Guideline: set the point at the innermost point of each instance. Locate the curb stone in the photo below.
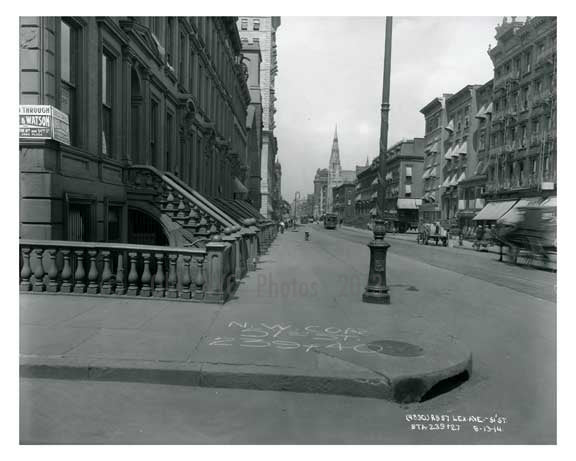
(407, 389)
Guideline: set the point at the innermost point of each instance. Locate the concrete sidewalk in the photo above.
(297, 324)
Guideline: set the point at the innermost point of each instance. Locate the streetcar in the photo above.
(330, 221)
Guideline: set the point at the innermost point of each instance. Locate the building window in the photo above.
(244, 24)
(191, 72)
(409, 171)
(79, 218)
(538, 86)
(155, 25)
(527, 63)
(69, 45)
(256, 24)
(182, 59)
(114, 228)
(154, 132)
(107, 102)
(169, 40)
(169, 136)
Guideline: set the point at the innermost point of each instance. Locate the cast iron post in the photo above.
(376, 290)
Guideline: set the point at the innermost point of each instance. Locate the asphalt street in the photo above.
(481, 265)
(504, 314)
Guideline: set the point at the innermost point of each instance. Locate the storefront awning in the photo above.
(513, 215)
(494, 210)
(408, 203)
(450, 126)
(461, 178)
(433, 173)
(448, 154)
(373, 211)
(446, 182)
(550, 201)
(239, 188)
(482, 112)
(426, 174)
(463, 148)
(456, 150)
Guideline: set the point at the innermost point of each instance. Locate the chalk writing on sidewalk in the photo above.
(289, 337)
(455, 423)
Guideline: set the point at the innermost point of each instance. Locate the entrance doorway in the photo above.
(143, 229)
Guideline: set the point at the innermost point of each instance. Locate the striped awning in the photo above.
(426, 174)
(494, 210)
(446, 182)
(489, 109)
(461, 178)
(463, 148)
(448, 155)
(434, 148)
(513, 215)
(374, 195)
(450, 126)
(374, 182)
(433, 173)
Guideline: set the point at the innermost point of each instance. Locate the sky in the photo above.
(330, 73)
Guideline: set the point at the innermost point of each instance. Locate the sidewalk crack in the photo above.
(382, 375)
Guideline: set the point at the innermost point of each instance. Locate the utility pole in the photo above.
(384, 114)
(376, 290)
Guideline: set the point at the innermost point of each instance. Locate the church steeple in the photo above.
(334, 172)
(335, 154)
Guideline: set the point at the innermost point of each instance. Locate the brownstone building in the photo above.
(403, 184)
(320, 192)
(521, 161)
(471, 189)
(434, 153)
(366, 199)
(149, 100)
(460, 159)
(252, 58)
(344, 195)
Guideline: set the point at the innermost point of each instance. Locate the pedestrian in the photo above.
(341, 220)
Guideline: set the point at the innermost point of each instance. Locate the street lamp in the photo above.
(376, 290)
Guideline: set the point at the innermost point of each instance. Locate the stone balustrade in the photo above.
(193, 274)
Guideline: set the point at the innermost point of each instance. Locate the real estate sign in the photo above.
(44, 122)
